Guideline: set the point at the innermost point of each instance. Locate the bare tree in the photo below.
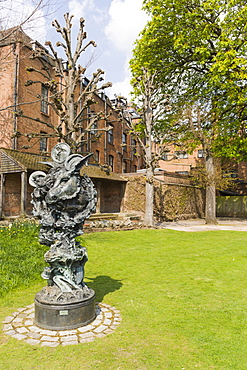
(152, 104)
(11, 21)
(69, 98)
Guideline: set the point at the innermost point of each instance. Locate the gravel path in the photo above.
(199, 225)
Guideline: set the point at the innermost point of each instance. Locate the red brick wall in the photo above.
(100, 142)
(29, 99)
(12, 204)
(7, 73)
(31, 94)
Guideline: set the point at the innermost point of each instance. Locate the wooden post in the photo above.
(98, 197)
(23, 193)
(2, 191)
(122, 194)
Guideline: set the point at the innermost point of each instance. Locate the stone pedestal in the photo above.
(66, 313)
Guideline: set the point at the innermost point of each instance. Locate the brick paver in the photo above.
(20, 325)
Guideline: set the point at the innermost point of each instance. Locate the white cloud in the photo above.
(126, 21)
(79, 8)
(122, 87)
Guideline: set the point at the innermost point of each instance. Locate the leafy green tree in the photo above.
(199, 48)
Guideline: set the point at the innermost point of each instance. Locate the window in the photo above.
(94, 128)
(134, 114)
(124, 141)
(110, 134)
(124, 167)
(103, 96)
(182, 172)
(96, 156)
(94, 125)
(165, 157)
(43, 142)
(200, 153)
(110, 161)
(231, 173)
(135, 168)
(44, 99)
(85, 81)
(181, 155)
(134, 146)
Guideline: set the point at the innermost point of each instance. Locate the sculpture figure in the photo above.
(62, 200)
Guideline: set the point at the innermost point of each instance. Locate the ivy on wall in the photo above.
(171, 202)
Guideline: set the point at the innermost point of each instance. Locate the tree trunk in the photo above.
(210, 208)
(149, 209)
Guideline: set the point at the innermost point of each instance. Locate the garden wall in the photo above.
(172, 201)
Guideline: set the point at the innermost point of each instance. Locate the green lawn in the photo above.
(182, 298)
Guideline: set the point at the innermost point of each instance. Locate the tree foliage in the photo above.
(199, 49)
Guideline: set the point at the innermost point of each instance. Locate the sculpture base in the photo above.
(64, 315)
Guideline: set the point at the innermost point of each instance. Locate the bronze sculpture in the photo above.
(62, 200)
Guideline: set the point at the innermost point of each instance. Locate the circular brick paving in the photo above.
(20, 325)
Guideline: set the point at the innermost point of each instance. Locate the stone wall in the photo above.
(172, 201)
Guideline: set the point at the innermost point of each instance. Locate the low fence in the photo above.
(231, 206)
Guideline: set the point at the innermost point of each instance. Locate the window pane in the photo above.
(110, 161)
(124, 167)
(182, 172)
(44, 99)
(181, 155)
(110, 135)
(200, 153)
(43, 143)
(124, 141)
(134, 146)
(97, 155)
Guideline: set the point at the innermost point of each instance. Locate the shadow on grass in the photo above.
(102, 285)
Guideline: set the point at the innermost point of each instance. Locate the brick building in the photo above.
(183, 163)
(24, 109)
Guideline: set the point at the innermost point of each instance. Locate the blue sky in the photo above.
(112, 24)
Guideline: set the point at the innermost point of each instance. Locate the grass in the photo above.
(182, 297)
(21, 256)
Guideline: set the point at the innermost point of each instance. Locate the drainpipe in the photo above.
(89, 136)
(106, 136)
(2, 193)
(15, 97)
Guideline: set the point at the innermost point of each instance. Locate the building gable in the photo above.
(9, 165)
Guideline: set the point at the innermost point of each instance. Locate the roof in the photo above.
(17, 35)
(13, 35)
(16, 161)
(96, 172)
